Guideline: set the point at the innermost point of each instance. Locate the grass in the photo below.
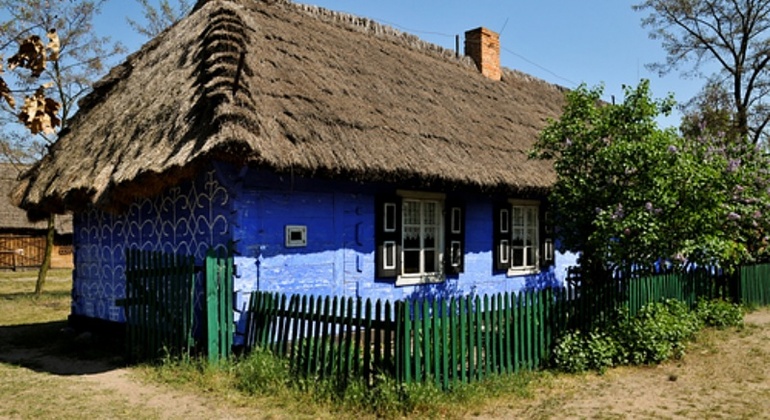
(32, 327)
(260, 381)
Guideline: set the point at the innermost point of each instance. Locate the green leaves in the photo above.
(629, 193)
(659, 331)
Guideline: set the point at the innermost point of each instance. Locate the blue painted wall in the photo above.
(251, 208)
(339, 256)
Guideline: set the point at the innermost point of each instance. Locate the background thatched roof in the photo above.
(295, 88)
(13, 218)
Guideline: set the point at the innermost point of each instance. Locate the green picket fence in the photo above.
(322, 336)
(754, 286)
(158, 304)
(463, 339)
(447, 341)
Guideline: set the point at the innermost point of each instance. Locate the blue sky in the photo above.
(563, 42)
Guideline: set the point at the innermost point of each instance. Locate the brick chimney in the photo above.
(483, 46)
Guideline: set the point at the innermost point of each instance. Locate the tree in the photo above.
(79, 58)
(733, 33)
(629, 194)
(159, 18)
(710, 112)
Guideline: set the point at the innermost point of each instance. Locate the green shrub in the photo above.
(577, 352)
(719, 313)
(658, 332)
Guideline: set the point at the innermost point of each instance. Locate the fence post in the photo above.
(219, 305)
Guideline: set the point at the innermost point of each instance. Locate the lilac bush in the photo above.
(631, 193)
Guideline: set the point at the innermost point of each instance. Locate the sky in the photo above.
(565, 42)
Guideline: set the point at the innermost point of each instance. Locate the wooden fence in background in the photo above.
(18, 251)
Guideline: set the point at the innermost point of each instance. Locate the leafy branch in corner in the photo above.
(39, 113)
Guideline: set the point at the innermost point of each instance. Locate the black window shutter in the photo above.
(502, 236)
(388, 236)
(546, 236)
(454, 237)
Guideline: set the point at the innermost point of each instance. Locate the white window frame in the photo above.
(423, 277)
(527, 226)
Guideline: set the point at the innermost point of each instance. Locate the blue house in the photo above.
(338, 156)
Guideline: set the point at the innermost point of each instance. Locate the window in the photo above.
(420, 237)
(517, 238)
(524, 237)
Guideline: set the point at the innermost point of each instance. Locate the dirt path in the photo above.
(115, 386)
(164, 402)
(722, 379)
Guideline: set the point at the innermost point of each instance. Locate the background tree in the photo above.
(733, 33)
(159, 18)
(631, 194)
(710, 112)
(81, 57)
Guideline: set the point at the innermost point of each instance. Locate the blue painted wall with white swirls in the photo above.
(185, 219)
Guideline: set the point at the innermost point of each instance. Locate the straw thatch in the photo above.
(297, 89)
(12, 218)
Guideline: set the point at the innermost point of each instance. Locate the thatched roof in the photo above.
(13, 218)
(298, 89)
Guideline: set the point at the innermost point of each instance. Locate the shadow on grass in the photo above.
(53, 294)
(53, 347)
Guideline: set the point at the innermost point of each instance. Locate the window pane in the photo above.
(430, 237)
(518, 257)
(411, 262)
(530, 257)
(429, 213)
(518, 216)
(411, 213)
(430, 261)
(411, 237)
(531, 216)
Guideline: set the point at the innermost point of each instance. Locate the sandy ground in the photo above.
(721, 378)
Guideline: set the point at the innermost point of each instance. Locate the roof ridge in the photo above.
(379, 30)
(383, 31)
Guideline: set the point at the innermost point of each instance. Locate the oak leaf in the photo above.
(53, 45)
(31, 55)
(38, 113)
(5, 93)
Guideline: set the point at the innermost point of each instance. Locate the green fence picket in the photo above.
(463, 357)
(390, 334)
